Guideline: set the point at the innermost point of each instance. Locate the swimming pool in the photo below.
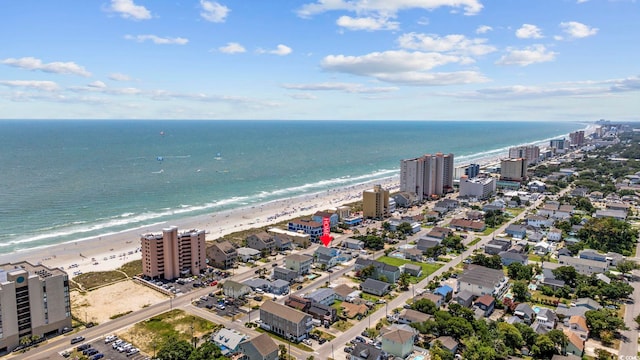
(419, 357)
(536, 309)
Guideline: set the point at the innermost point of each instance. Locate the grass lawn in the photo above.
(475, 241)
(537, 258)
(488, 231)
(342, 325)
(132, 268)
(515, 211)
(172, 323)
(94, 279)
(427, 269)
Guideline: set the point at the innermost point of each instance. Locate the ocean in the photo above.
(64, 181)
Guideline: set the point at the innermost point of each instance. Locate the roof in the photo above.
(257, 283)
(465, 295)
(414, 315)
(512, 255)
(233, 285)
(574, 339)
(320, 294)
(296, 302)
(351, 310)
(525, 309)
(264, 236)
(447, 342)
(228, 338)
(323, 214)
(343, 290)
(443, 290)
(412, 267)
(377, 264)
(547, 313)
(485, 300)
(468, 224)
(516, 228)
(375, 284)
(264, 344)
(480, 275)
(283, 311)
(435, 298)
(588, 302)
(279, 283)
(247, 251)
(299, 257)
(399, 336)
(579, 320)
(306, 222)
(366, 351)
(225, 246)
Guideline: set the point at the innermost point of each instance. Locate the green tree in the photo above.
(543, 348)
(478, 350)
(424, 306)
(528, 334)
(174, 349)
(518, 271)
(437, 351)
(602, 354)
(559, 339)
(566, 273)
(609, 234)
(405, 228)
(626, 266)
(511, 336)
(520, 290)
(207, 351)
(403, 281)
(602, 320)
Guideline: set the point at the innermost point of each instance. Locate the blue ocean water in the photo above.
(68, 180)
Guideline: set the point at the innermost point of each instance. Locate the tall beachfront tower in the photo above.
(34, 301)
(513, 169)
(427, 175)
(375, 203)
(170, 254)
(529, 152)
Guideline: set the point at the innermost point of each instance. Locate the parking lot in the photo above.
(108, 350)
(180, 286)
(221, 306)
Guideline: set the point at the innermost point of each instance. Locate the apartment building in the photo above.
(299, 263)
(307, 226)
(375, 203)
(468, 170)
(529, 152)
(577, 138)
(286, 238)
(287, 322)
(222, 254)
(427, 176)
(171, 254)
(513, 169)
(479, 188)
(262, 241)
(34, 301)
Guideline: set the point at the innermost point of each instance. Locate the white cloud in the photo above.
(303, 96)
(402, 67)
(527, 56)
(367, 23)
(232, 48)
(31, 84)
(157, 39)
(528, 31)
(280, 50)
(213, 11)
(385, 7)
(128, 10)
(581, 1)
(119, 77)
(31, 63)
(454, 43)
(577, 30)
(483, 29)
(336, 86)
(97, 84)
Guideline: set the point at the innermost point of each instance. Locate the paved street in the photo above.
(629, 347)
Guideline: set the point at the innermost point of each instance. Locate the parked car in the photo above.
(97, 356)
(77, 339)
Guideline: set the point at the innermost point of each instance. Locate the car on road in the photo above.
(298, 287)
(97, 356)
(330, 271)
(348, 349)
(77, 339)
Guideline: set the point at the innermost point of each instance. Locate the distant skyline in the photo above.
(571, 60)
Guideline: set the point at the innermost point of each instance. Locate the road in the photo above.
(629, 347)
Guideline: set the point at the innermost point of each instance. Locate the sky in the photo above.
(552, 60)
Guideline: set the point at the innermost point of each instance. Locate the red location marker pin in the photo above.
(326, 232)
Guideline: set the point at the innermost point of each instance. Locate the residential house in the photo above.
(468, 225)
(258, 284)
(588, 303)
(425, 244)
(235, 289)
(413, 254)
(283, 242)
(548, 279)
(324, 313)
(564, 212)
(329, 257)
(525, 312)
(298, 303)
(584, 266)
(334, 218)
(538, 328)
(486, 303)
(592, 255)
(444, 291)
(353, 244)
(474, 215)
(325, 296)
(285, 321)
(496, 246)
(464, 298)
(578, 325)
(539, 221)
(616, 214)
(516, 231)
(246, 254)
(375, 287)
(439, 233)
(228, 340)
(364, 351)
(395, 223)
(408, 316)
(437, 299)
(575, 344)
(542, 248)
(567, 312)
(307, 226)
(381, 270)
(299, 263)
(480, 280)
(554, 235)
(284, 237)
(398, 341)
(412, 269)
(343, 292)
(279, 287)
(548, 209)
(222, 254)
(510, 257)
(354, 310)
(263, 242)
(261, 347)
(447, 343)
(280, 273)
(547, 318)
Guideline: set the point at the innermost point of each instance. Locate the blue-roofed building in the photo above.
(445, 291)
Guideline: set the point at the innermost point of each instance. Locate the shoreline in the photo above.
(112, 250)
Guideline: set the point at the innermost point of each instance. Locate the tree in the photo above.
(403, 281)
(560, 340)
(626, 266)
(366, 272)
(518, 271)
(528, 334)
(174, 349)
(207, 351)
(543, 348)
(478, 350)
(437, 351)
(568, 274)
(511, 336)
(424, 306)
(602, 354)
(637, 319)
(520, 290)
(609, 234)
(405, 228)
(602, 320)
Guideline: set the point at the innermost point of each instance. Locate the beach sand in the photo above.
(110, 252)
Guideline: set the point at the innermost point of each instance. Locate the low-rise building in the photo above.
(408, 316)
(375, 287)
(575, 345)
(299, 263)
(280, 273)
(584, 266)
(364, 351)
(399, 341)
(344, 292)
(310, 227)
(261, 347)
(516, 231)
(578, 325)
(228, 340)
(480, 280)
(447, 343)
(381, 270)
(246, 254)
(510, 257)
(222, 254)
(412, 269)
(525, 312)
(284, 238)
(496, 246)
(235, 289)
(353, 244)
(319, 216)
(325, 296)
(329, 257)
(285, 321)
(262, 241)
(486, 303)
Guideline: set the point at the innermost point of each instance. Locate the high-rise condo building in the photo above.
(375, 203)
(529, 152)
(558, 144)
(468, 170)
(34, 301)
(427, 175)
(513, 169)
(171, 254)
(577, 138)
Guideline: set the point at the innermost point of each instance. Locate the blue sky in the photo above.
(565, 60)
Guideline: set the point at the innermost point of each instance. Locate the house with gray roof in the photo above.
(228, 340)
(516, 231)
(329, 257)
(495, 246)
(280, 273)
(412, 269)
(246, 254)
(364, 351)
(343, 292)
(279, 287)
(262, 241)
(285, 321)
(390, 272)
(408, 316)
(326, 296)
(261, 347)
(547, 318)
(235, 289)
(464, 298)
(353, 244)
(509, 257)
(425, 244)
(375, 287)
(525, 312)
(480, 280)
(584, 266)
